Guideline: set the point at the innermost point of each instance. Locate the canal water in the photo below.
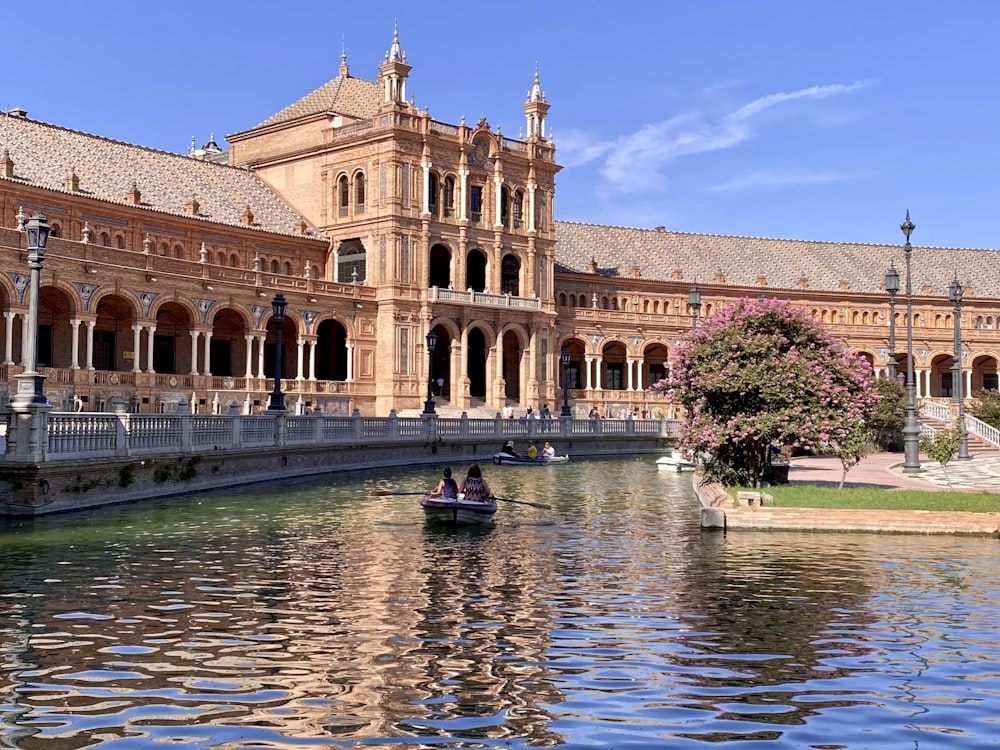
(310, 614)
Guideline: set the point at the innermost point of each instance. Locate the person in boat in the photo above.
(508, 448)
(548, 451)
(475, 487)
(447, 487)
(532, 450)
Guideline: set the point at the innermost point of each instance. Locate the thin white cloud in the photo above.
(633, 162)
(772, 179)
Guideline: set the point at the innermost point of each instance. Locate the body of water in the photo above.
(312, 614)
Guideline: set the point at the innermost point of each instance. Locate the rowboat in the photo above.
(506, 459)
(461, 511)
(676, 462)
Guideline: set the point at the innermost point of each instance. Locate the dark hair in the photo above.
(447, 471)
(475, 472)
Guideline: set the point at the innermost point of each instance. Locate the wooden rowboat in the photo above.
(460, 511)
(506, 459)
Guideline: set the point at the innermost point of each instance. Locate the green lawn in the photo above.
(807, 496)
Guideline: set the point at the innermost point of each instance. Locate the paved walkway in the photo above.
(980, 473)
(882, 470)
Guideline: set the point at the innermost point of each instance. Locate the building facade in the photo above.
(380, 225)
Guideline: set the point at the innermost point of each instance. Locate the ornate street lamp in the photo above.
(694, 302)
(30, 382)
(278, 304)
(955, 295)
(564, 357)
(911, 429)
(892, 287)
(431, 345)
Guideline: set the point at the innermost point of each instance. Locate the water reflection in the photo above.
(313, 614)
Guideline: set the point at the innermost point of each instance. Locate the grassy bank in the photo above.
(807, 496)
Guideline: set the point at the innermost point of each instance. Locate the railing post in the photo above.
(566, 426)
(186, 432)
(629, 425)
(393, 424)
(359, 425)
(463, 425)
(280, 429)
(236, 428)
(121, 435)
(318, 436)
(498, 425)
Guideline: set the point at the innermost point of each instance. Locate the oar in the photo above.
(543, 506)
(383, 493)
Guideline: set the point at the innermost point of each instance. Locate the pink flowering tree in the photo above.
(760, 374)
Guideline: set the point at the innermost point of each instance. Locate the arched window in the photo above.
(343, 195)
(352, 262)
(119, 242)
(234, 260)
(287, 268)
(105, 239)
(274, 266)
(164, 248)
(178, 250)
(517, 209)
(449, 196)
(510, 268)
(359, 193)
(505, 207)
(221, 260)
(432, 192)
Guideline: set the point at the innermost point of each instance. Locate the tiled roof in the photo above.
(784, 264)
(344, 95)
(44, 155)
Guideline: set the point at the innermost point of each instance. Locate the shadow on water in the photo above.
(311, 613)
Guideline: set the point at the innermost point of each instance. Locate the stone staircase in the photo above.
(444, 408)
(937, 417)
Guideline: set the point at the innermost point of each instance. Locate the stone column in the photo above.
(588, 382)
(208, 353)
(194, 352)
(300, 346)
(150, 338)
(136, 347)
(312, 359)
(248, 372)
(90, 343)
(74, 344)
(8, 356)
(261, 339)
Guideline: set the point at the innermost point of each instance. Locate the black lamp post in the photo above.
(694, 302)
(277, 402)
(892, 287)
(911, 429)
(431, 345)
(955, 292)
(30, 382)
(564, 357)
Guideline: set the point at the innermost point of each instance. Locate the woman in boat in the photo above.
(447, 487)
(508, 448)
(475, 487)
(548, 451)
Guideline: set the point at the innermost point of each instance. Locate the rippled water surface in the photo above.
(310, 614)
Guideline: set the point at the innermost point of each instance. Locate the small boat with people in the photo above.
(532, 457)
(676, 462)
(506, 459)
(470, 502)
(457, 510)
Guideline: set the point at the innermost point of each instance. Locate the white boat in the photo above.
(457, 511)
(676, 462)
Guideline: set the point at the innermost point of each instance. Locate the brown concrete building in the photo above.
(380, 224)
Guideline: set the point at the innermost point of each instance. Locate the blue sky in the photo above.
(780, 119)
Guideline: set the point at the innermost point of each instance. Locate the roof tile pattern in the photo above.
(743, 261)
(44, 155)
(344, 95)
